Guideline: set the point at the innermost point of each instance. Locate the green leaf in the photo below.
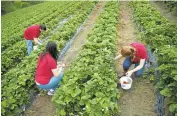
(85, 97)
(12, 100)
(99, 94)
(173, 107)
(4, 104)
(76, 92)
(166, 92)
(93, 101)
(101, 82)
(175, 78)
(68, 99)
(62, 112)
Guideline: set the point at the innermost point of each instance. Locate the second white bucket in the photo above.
(126, 82)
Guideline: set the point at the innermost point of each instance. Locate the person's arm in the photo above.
(37, 41)
(118, 57)
(58, 70)
(140, 66)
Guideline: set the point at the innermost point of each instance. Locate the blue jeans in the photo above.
(127, 63)
(53, 83)
(29, 46)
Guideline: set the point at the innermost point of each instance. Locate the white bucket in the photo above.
(126, 82)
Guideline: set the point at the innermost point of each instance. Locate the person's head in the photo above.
(51, 47)
(127, 51)
(42, 28)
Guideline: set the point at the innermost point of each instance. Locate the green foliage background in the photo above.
(9, 6)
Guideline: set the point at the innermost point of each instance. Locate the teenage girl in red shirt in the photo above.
(48, 75)
(32, 33)
(135, 53)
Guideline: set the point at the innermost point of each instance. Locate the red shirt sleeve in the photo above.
(44, 69)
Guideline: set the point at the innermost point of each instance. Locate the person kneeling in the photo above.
(135, 53)
(48, 75)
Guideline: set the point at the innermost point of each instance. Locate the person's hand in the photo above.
(59, 63)
(118, 57)
(129, 73)
(63, 65)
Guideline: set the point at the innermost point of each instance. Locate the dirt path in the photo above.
(139, 100)
(170, 15)
(81, 38)
(42, 106)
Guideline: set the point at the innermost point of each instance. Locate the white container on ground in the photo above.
(126, 82)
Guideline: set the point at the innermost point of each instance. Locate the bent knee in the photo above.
(126, 66)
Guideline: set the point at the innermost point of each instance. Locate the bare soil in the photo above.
(81, 38)
(139, 100)
(42, 106)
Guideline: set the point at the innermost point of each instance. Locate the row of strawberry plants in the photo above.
(17, 14)
(12, 23)
(54, 17)
(33, 15)
(17, 33)
(13, 55)
(18, 84)
(89, 85)
(172, 5)
(157, 32)
(17, 55)
(51, 21)
(16, 18)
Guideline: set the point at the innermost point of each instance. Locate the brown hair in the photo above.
(127, 51)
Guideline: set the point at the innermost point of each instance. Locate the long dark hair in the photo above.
(51, 48)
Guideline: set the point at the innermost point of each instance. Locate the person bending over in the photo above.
(32, 33)
(135, 53)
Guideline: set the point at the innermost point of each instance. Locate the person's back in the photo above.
(48, 75)
(141, 52)
(32, 32)
(139, 46)
(44, 70)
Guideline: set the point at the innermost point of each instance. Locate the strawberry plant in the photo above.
(13, 55)
(89, 85)
(161, 36)
(33, 17)
(17, 84)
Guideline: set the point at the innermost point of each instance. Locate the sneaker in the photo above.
(50, 92)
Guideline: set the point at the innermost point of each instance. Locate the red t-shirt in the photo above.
(44, 69)
(141, 52)
(32, 32)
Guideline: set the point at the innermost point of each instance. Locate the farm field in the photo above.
(89, 34)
